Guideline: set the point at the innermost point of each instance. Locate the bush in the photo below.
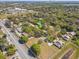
(24, 39)
(77, 42)
(11, 50)
(50, 38)
(2, 56)
(40, 42)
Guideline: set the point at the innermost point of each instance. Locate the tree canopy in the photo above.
(24, 38)
(11, 50)
(36, 49)
(2, 56)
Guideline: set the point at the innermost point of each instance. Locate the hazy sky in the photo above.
(39, 0)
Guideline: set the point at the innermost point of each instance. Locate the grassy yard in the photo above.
(2, 16)
(76, 55)
(32, 41)
(73, 56)
(47, 51)
(1, 33)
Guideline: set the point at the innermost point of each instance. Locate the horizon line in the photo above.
(46, 1)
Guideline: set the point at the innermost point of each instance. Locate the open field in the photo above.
(47, 51)
(50, 51)
(65, 49)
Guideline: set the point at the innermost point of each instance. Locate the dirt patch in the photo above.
(32, 41)
(46, 51)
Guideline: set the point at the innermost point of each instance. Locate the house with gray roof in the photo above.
(65, 37)
(58, 43)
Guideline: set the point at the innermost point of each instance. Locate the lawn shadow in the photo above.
(31, 53)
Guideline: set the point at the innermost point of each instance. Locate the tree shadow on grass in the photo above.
(31, 53)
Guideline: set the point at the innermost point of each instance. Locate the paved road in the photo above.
(22, 50)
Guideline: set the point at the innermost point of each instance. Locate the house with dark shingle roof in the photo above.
(58, 43)
(65, 37)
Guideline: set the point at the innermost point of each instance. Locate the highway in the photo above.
(21, 49)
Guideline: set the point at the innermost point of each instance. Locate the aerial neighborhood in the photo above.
(39, 30)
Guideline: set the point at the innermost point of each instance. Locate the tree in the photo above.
(27, 29)
(40, 41)
(2, 56)
(57, 28)
(8, 23)
(24, 38)
(74, 38)
(77, 33)
(36, 48)
(11, 50)
(50, 38)
(4, 36)
(40, 23)
(63, 31)
(0, 27)
(70, 28)
(77, 42)
(3, 44)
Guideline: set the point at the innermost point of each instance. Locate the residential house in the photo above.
(50, 44)
(18, 31)
(72, 33)
(65, 37)
(58, 43)
(16, 10)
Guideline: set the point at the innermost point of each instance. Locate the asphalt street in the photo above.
(21, 49)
